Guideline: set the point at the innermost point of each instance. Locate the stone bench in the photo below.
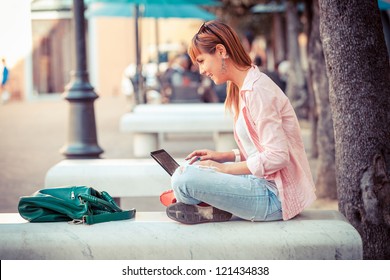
(148, 125)
(137, 183)
(201, 108)
(313, 234)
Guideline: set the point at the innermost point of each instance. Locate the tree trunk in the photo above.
(313, 115)
(358, 69)
(326, 173)
(296, 80)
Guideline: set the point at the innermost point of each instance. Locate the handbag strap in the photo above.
(110, 211)
(107, 217)
(109, 206)
(109, 198)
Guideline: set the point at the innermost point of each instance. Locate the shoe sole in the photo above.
(189, 214)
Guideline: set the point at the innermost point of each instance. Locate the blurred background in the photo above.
(37, 39)
(134, 48)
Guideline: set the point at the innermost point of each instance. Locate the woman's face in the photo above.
(210, 65)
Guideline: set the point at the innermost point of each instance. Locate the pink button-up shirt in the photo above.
(274, 129)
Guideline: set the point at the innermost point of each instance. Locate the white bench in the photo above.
(148, 125)
(311, 235)
(197, 108)
(134, 182)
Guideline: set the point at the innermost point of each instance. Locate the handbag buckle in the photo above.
(77, 221)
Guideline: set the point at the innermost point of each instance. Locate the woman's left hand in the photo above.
(238, 168)
(220, 167)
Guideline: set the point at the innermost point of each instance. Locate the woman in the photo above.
(268, 178)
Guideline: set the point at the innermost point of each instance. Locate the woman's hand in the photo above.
(203, 155)
(215, 160)
(220, 167)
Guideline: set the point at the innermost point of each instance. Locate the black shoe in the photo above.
(195, 214)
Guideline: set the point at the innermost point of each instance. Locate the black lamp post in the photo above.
(82, 139)
(138, 73)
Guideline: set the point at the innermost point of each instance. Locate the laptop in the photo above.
(165, 160)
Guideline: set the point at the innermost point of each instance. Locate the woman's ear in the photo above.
(221, 50)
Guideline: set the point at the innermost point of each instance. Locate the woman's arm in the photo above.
(266, 114)
(238, 168)
(202, 155)
(215, 160)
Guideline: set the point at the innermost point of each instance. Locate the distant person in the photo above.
(274, 75)
(5, 96)
(179, 83)
(174, 76)
(268, 178)
(283, 68)
(247, 42)
(207, 91)
(175, 73)
(127, 89)
(220, 91)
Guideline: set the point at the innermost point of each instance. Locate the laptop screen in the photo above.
(165, 160)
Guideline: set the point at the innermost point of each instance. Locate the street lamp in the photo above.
(82, 139)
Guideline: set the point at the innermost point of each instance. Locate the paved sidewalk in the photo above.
(33, 132)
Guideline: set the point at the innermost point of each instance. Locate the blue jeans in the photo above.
(245, 196)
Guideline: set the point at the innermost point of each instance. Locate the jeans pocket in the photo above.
(274, 208)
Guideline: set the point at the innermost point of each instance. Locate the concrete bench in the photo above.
(148, 125)
(311, 235)
(134, 183)
(201, 108)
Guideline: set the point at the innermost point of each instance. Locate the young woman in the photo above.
(268, 178)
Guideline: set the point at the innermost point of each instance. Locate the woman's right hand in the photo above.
(200, 155)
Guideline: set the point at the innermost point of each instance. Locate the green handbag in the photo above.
(79, 204)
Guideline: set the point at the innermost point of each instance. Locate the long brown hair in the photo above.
(209, 35)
